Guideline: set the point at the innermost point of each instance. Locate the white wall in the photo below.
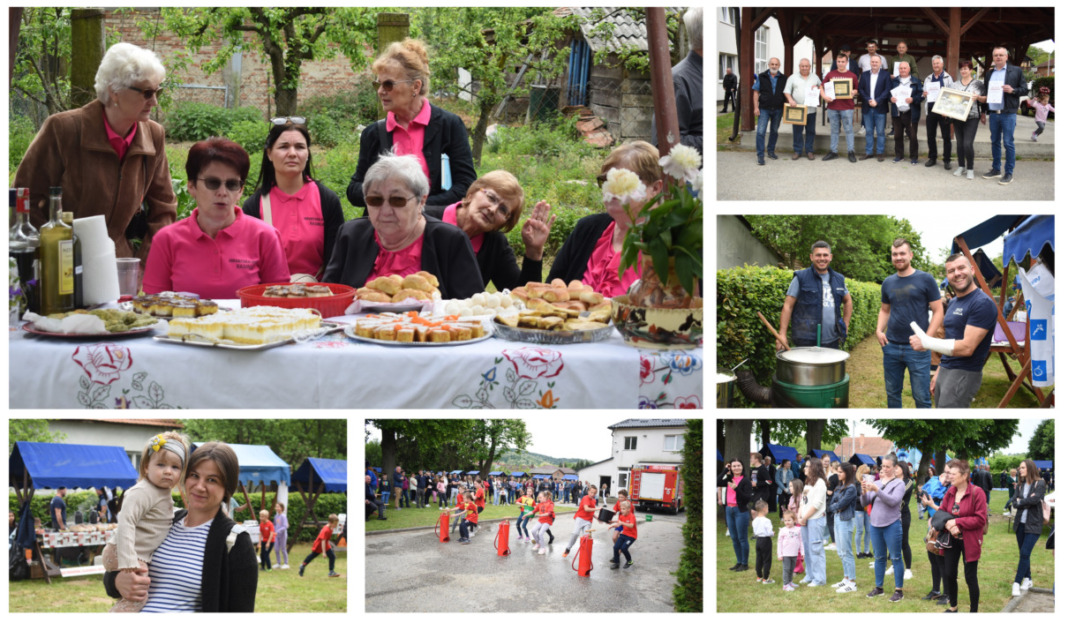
(132, 437)
(650, 446)
(725, 46)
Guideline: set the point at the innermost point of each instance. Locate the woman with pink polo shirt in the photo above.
(304, 211)
(591, 253)
(414, 126)
(492, 208)
(216, 250)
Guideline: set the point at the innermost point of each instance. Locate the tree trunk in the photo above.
(765, 432)
(921, 470)
(736, 440)
(87, 50)
(285, 101)
(389, 451)
(478, 137)
(721, 441)
(814, 434)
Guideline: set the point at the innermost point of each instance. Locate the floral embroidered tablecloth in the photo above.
(338, 373)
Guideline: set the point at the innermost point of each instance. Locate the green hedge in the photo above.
(742, 292)
(196, 121)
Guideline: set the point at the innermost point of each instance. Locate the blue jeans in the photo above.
(805, 135)
(878, 120)
(843, 538)
(385, 496)
(738, 521)
(839, 118)
(862, 523)
(767, 118)
(1026, 543)
(897, 357)
(815, 557)
(623, 544)
(464, 529)
(1002, 127)
(884, 539)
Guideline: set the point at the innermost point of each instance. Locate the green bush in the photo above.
(20, 133)
(688, 593)
(196, 121)
(1046, 81)
(333, 119)
(250, 135)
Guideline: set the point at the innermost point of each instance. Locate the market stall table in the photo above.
(337, 372)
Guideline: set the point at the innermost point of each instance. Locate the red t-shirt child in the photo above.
(480, 498)
(583, 503)
(632, 530)
(546, 507)
(266, 532)
(322, 542)
(472, 513)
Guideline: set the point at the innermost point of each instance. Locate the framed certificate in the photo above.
(794, 115)
(843, 88)
(953, 104)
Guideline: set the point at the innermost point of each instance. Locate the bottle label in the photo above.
(66, 267)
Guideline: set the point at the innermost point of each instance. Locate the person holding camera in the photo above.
(885, 496)
(739, 494)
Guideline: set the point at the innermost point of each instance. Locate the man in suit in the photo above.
(874, 104)
(730, 86)
(1009, 79)
(936, 121)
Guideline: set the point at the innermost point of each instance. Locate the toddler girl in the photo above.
(281, 532)
(1042, 111)
(147, 509)
(797, 487)
(789, 548)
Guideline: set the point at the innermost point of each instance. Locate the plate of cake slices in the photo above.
(251, 328)
(418, 329)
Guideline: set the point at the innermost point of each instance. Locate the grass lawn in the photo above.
(426, 517)
(738, 592)
(867, 388)
(724, 129)
(277, 590)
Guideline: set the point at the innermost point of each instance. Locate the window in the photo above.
(726, 15)
(725, 61)
(673, 443)
(630, 443)
(760, 49)
(622, 481)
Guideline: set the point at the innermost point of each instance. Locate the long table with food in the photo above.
(459, 354)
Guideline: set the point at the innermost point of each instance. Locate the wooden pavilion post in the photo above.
(953, 42)
(787, 32)
(746, 68)
(667, 120)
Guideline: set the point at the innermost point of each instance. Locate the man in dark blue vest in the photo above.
(817, 298)
(768, 97)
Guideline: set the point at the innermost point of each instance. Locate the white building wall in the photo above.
(727, 51)
(132, 437)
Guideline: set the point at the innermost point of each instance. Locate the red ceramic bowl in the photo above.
(328, 306)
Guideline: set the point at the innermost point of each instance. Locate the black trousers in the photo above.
(965, 131)
(971, 575)
(265, 555)
(906, 549)
(312, 556)
(728, 98)
(763, 557)
(830, 525)
(935, 122)
(903, 124)
(937, 565)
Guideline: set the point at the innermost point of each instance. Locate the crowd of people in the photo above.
(866, 512)
(425, 207)
(894, 88)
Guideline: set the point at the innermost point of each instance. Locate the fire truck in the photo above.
(656, 486)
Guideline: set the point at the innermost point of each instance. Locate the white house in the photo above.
(767, 43)
(131, 434)
(637, 441)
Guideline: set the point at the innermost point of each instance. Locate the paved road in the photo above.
(413, 572)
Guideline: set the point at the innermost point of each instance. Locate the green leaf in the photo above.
(660, 261)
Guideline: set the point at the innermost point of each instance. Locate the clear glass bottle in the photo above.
(23, 244)
(57, 259)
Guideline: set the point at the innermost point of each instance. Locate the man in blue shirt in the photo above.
(969, 322)
(57, 510)
(1009, 79)
(817, 302)
(906, 297)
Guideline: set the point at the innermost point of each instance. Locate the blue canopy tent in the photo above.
(496, 473)
(541, 476)
(570, 477)
(819, 454)
(859, 459)
(519, 474)
(315, 477)
(456, 471)
(473, 473)
(1034, 238)
(259, 465)
(779, 453)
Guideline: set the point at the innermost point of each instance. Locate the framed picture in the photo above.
(953, 104)
(794, 115)
(843, 88)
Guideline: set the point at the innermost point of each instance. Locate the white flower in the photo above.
(682, 162)
(624, 185)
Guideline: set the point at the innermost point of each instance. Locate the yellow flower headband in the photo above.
(159, 442)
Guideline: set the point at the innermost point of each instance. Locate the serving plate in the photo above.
(350, 331)
(304, 336)
(544, 336)
(138, 332)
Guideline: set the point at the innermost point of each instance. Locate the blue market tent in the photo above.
(473, 473)
(331, 474)
(259, 464)
(519, 474)
(859, 459)
(778, 453)
(570, 477)
(496, 473)
(1044, 464)
(819, 454)
(456, 471)
(1029, 238)
(541, 476)
(53, 465)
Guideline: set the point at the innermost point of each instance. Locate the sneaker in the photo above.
(831, 547)
(286, 566)
(1005, 179)
(772, 155)
(914, 162)
(889, 570)
(959, 172)
(867, 156)
(1015, 589)
(971, 174)
(876, 592)
(1026, 584)
(852, 157)
(630, 563)
(830, 156)
(943, 600)
(908, 574)
(1034, 137)
(948, 166)
(991, 174)
(543, 551)
(930, 162)
(1006, 514)
(760, 580)
(334, 575)
(848, 588)
(792, 585)
(811, 156)
(760, 161)
(735, 567)
(844, 582)
(743, 568)
(871, 565)
(566, 552)
(277, 566)
(768, 581)
(615, 565)
(813, 584)
(787, 587)
(301, 572)
(899, 159)
(931, 595)
(897, 596)
(880, 157)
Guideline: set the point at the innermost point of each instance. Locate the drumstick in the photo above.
(773, 331)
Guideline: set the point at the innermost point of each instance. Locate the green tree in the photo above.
(808, 435)
(454, 444)
(292, 440)
(1040, 447)
(373, 453)
(30, 430)
(42, 59)
(688, 593)
(579, 464)
(288, 36)
(964, 438)
(492, 43)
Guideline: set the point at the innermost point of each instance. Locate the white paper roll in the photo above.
(100, 278)
(92, 231)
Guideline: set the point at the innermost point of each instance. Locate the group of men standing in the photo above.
(881, 89)
(949, 367)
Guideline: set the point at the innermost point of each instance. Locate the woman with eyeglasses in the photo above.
(217, 249)
(304, 211)
(397, 238)
(591, 253)
(108, 156)
(414, 126)
(490, 209)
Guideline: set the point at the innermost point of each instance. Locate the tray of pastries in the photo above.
(556, 313)
(173, 305)
(251, 328)
(417, 329)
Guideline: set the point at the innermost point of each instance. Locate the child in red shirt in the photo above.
(620, 496)
(322, 546)
(629, 523)
(266, 540)
(470, 519)
(545, 514)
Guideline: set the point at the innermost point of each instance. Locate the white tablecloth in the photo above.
(336, 372)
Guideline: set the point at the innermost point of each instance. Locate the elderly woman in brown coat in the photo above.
(108, 156)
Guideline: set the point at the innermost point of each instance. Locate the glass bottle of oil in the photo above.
(68, 219)
(57, 259)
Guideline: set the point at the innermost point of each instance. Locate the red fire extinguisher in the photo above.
(501, 540)
(584, 556)
(442, 528)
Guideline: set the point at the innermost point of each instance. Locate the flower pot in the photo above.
(657, 327)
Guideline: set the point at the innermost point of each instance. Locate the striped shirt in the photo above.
(176, 570)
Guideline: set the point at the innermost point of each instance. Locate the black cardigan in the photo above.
(447, 255)
(743, 493)
(228, 580)
(574, 255)
(445, 133)
(1032, 504)
(496, 260)
(330, 204)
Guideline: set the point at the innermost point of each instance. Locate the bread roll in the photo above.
(373, 296)
(430, 277)
(385, 284)
(591, 298)
(408, 293)
(417, 282)
(557, 294)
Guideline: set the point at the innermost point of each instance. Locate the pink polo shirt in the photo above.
(118, 143)
(185, 259)
(602, 271)
(450, 217)
(732, 495)
(410, 141)
(299, 220)
(404, 262)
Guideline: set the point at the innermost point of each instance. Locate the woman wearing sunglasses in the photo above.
(306, 213)
(413, 126)
(490, 209)
(396, 238)
(108, 155)
(591, 253)
(217, 249)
